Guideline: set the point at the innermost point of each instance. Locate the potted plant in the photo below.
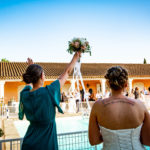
(1, 132)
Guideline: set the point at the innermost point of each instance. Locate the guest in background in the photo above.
(132, 94)
(63, 100)
(127, 94)
(98, 95)
(87, 95)
(91, 97)
(136, 93)
(142, 96)
(145, 91)
(63, 97)
(77, 99)
(82, 95)
(107, 94)
(149, 91)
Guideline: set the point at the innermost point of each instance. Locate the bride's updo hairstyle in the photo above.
(117, 77)
(32, 74)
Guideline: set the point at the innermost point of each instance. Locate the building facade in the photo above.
(93, 76)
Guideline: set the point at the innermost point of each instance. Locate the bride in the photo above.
(121, 123)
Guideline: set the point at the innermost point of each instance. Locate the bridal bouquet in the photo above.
(79, 45)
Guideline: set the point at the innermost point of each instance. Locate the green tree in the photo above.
(4, 60)
(144, 62)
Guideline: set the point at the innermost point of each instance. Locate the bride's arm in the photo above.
(145, 132)
(95, 136)
(63, 77)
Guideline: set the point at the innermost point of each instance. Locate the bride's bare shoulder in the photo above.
(125, 100)
(111, 100)
(136, 101)
(98, 105)
(102, 101)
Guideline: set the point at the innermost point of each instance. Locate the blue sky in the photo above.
(117, 30)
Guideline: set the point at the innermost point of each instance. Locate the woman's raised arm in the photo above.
(63, 77)
(29, 62)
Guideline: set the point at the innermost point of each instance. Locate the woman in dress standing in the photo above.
(121, 123)
(136, 93)
(39, 103)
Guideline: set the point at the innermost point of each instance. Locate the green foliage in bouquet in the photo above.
(1, 132)
(79, 45)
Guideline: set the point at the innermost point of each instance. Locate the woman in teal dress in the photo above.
(38, 103)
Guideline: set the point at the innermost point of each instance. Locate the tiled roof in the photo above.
(14, 70)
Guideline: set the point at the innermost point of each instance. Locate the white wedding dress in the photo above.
(124, 139)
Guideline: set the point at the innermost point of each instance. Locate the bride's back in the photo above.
(119, 120)
(119, 113)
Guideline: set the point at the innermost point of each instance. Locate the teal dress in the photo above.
(39, 108)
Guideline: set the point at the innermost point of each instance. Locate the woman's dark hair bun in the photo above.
(117, 77)
(32, 74)
(26, 78)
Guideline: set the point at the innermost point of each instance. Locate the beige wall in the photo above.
(11, 90)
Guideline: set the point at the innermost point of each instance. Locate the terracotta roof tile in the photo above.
(14, 70)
